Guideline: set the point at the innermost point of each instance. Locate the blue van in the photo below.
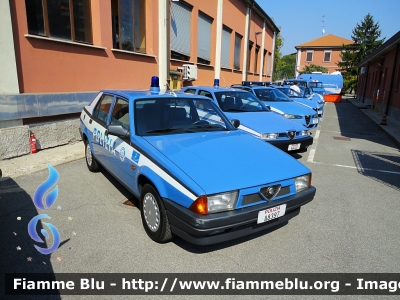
(333, 83)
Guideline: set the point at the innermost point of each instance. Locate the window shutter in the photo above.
(226, 47)
(236, 59)
(180, 28)
(204, 37)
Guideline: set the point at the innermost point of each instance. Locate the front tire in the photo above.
(91, 162)
(154, 215)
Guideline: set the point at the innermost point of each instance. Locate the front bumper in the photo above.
(225, 226)
(284, 144)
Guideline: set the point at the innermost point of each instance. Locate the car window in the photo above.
(190, 91)
(231, 101)
(177, 115)
(120, 114)
(205, 93)
(103, 107)
(269, 94)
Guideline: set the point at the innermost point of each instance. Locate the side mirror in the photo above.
(117, 130)
(235, 123)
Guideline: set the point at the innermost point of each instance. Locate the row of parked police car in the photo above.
(206, 163)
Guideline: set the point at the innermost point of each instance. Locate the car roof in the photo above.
(134, 94)
(254, 87)
(212, 88)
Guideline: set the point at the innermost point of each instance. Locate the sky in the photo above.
(302, 21)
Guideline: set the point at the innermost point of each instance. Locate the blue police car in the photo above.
(282, 104)
(195, 174)
(305, 97)
(256, 118)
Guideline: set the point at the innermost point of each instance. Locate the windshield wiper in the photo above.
(165, 130)
(214, 126)
(233, 109)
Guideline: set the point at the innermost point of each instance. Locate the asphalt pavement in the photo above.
(351, 226)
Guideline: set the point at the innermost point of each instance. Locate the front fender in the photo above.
(168, 187)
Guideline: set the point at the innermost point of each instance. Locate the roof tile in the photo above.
(326, 41)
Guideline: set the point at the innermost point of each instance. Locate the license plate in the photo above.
(315, 121)
(271, 213)
(294, 147)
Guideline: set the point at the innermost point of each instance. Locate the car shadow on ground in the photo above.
(381, 167)
(17, 251)
(198, 249)
(133, 201)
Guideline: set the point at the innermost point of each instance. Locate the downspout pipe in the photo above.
(392, 79)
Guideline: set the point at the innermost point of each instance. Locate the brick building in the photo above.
(324, 51)
(58, 53)
(379, 78)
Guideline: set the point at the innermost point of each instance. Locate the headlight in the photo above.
(288, 116)
(215, 203)
(269, 136)
(302, 183)
(304, 132)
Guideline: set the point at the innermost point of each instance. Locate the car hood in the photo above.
(265, 122)
(306, 102)
(292, 108)
(225, 161)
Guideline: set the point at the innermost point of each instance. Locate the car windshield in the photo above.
(178, 115)
(239, 101)
(272, 94)
(304, 92)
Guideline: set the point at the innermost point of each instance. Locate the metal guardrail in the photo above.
(14, 107)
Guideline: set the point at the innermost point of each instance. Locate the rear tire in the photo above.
(154, 215)
(91, 162)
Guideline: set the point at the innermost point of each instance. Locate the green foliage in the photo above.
(277, 55)
(314, 68)
(366, 39)
(285, 67)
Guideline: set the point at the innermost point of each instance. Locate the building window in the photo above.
(62, 19)
(256, 59)
(264, 64)
(226, 47)
(128, 19)
(236, 58)
(327, 55)
(269, 64)
(309, 56)
(204, 39)
(249, 55)
(180, 30)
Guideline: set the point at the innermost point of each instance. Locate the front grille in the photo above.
(253, 198)
(308, 118)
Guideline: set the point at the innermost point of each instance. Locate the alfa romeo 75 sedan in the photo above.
(195, 174)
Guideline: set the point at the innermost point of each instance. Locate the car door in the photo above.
(124, 159)
(101, 144)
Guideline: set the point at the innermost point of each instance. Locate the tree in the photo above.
(366, 39)
(314, 68)
(277, 55)
(285, 68)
